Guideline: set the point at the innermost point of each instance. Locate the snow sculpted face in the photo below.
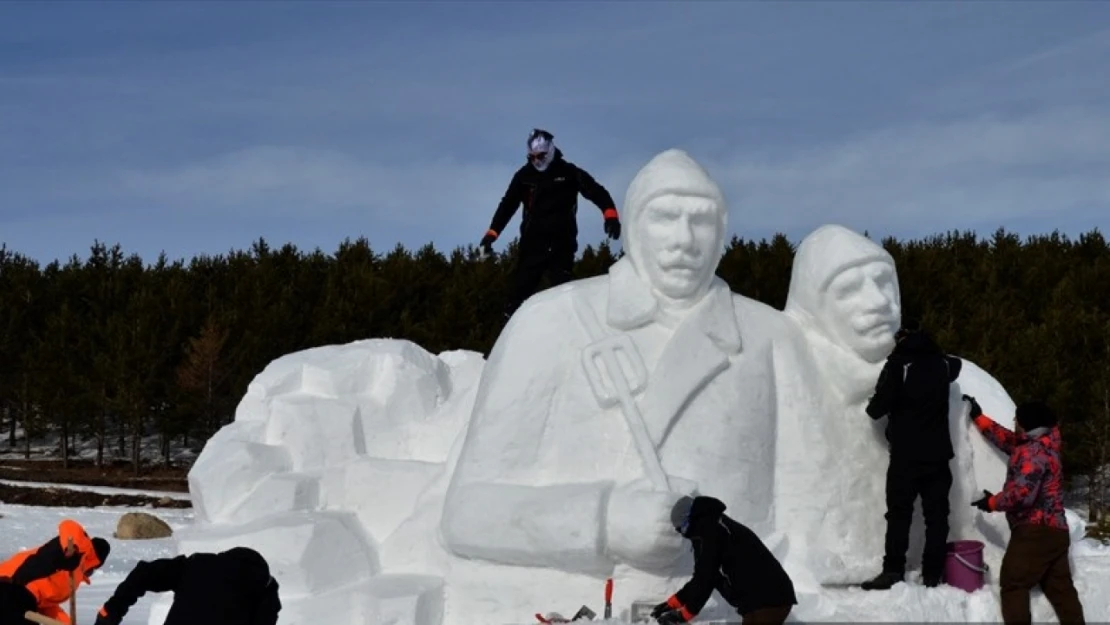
(677, 220)
(846, 287)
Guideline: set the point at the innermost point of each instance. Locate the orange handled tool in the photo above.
(609, 598)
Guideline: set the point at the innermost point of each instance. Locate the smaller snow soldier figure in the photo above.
(913, 391)
(728, 558)
(548, 186)
(44, 578)
(233, 587)
(1033, 500)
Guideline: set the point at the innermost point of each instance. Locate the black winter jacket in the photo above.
(730, 558)
(913, 390)
(550, 200)
(233, 587)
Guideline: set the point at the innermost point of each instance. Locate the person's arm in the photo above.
(1021, 491)
(886, 391)
(999, 436)
(506, 208)
(692, 597)
(160, 575)
(597, 194)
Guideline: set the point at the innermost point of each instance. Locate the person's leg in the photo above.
(767, 616)
(560, 267)
(1023, 566)
(900, 495)
(531, 263)
(15, 601)
(934, 486)
(1057, 583)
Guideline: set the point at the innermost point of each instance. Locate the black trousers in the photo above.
(536, 258)
(905, 482)
(15, 601)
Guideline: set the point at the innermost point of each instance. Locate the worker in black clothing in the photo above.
(913, 392)
(15, 601)
(728, 558)
(548, 186)
(233, 587)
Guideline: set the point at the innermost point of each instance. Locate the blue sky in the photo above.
(199, 127)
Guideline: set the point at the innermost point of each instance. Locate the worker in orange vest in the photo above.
(43, 579)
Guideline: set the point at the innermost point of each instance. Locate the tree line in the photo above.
(111, 348)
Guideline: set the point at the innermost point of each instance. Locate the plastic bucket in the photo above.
(964, 567)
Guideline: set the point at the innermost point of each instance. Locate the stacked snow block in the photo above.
(336, 455)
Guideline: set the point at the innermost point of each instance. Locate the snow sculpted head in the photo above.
(677, 218)
(845, 286)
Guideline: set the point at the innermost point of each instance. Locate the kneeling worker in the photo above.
(233, 587)
(728, 558)
(42, 579)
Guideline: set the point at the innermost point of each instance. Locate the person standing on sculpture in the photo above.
(913, 391)
(548, 186)
(728, 558)
(1033, 500)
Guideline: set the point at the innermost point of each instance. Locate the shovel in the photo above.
(611, 386)
(40, 619)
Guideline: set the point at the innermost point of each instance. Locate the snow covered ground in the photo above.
(23, 527)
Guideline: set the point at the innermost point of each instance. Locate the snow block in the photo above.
(317, 432)
(229, 469)
(308, 553)
(383, 600)
(278, 493)
(383, 493)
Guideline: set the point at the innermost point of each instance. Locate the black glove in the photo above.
(975, 409)
(71, 562)
(613, 227)
(983, 503)
(664, 614)
(103, 618)
(487, 241)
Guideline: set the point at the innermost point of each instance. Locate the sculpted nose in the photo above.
(872, 293)
(683, 234)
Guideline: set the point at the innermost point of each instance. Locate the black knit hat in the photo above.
(1034, 414)
(102, 548)
(680, 512)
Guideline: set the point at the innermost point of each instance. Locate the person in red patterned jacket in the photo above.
(1033, 500)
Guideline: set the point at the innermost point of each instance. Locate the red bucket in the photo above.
(964, 567)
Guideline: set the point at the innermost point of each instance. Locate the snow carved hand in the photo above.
(638, 527)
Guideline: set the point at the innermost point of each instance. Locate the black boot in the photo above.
(931, 580)
(883, 581)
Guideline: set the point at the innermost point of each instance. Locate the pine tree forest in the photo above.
(111, 348)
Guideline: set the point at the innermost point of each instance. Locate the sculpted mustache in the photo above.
(680, 263)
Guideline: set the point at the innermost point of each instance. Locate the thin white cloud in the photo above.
(934, 177)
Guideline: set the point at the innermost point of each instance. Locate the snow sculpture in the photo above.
(606, 399)
(845, 295)
(334, 469)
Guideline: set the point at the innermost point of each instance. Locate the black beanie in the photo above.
(102, 548)
(1034, 414)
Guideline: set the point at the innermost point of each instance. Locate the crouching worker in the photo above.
(233, 587)
(728, 558)
(43, 579)
(1032, 499)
